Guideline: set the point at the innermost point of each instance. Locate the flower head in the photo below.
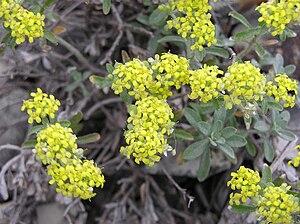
(243, 83)
(206, 83)
(278, 14)
(21, 21)
(168, 70)
(276, 205)
(283, 88)
(194, 22)
(40, 106)
(76, 178)
(245, 180)
(149, 125)
(55, 143)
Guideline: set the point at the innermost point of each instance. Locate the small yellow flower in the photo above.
(168, 70)
(76, 178)
(149, 125)
(276, 205)
(283, 88)
(245, 180)
(278, 14)
(21, 22)
(195, 22)
(40, 106)
(243, 83)
(55, 143)
(206, 83)
(296, 160)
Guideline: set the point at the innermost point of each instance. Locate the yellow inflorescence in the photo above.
(276, 205)
(245, 180)
(55, 143)
(284, 89)
(21, 22)
(149, 125)
(76, 178)
(168, 70)
(206, 83)
(278, 14)
(195, 23)
(243, 83)
(133, 76)
(296, 160)
(40, 106)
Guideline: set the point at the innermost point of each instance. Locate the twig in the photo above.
(10, 146)
(233, 54)
(280, 157)
(79, 56)
(70, 206)
(183, 191)
(117, 40)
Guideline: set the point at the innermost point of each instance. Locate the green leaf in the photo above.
(220, 114)
(269, 150)
(100, 82)
(29, 144)
(171, 38)
(242, 208)
(248, 34)
(278, 64)
(204, 165)
(287, 135)
(266, 174)
(106, 6)
(227, 150)
(200, 54)
(35, 9)
(275, 105)
(192, 116)
(153, 44)
(46, 4)
(236, 141)
(290, 69)
(196, 149)
(289, 32)
(204, 127)
(240, 18)
(217, 51)
(65, 123)
(204, 108)
(35, 129)
(264, 106)
(89, 138)
(179, 133)
(261, 126)
(228, 132)
(109, 68)
(251, 149)
(50, 36)
(76, 118)
(158, 18)
(217, 125)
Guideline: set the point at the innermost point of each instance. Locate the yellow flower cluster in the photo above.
(21, 22)
(133, 76)
(247, 181)
(243, 83)
(148, 125)
(141, 78)
(206, 83)
(56, 147)
(195, 22)
(76, 178)
(55, 143)
(168, 70)
(296, 160)
(40, 106)
(284, 89)
(278, 14)
(276, 205)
